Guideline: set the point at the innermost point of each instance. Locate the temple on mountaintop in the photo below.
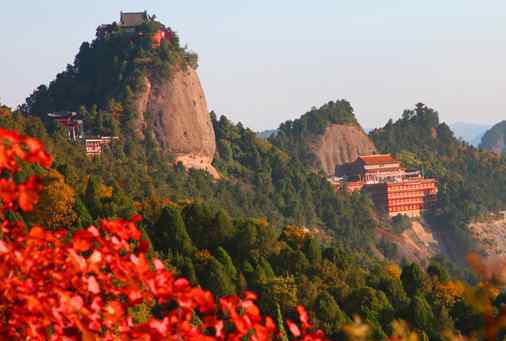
(128, 25)
(393, 189)
(133, 19)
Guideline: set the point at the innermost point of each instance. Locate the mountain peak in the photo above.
(325, 137)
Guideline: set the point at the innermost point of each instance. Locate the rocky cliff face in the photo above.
(180, 118)
(341, 143)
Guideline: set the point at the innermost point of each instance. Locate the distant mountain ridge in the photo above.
(494, 139)
(265, 134)
(469, 132)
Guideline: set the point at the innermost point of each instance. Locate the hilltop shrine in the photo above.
(393, 189)
(129, 25)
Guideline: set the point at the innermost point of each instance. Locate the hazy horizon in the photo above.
(263, 63)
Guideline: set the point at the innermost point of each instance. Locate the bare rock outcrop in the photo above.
(340, 144)
(180, 118)
(490, 234)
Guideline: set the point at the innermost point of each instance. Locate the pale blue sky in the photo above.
(263, 61)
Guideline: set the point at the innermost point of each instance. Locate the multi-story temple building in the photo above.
(392, 189)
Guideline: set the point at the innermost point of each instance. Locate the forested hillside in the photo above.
(259, 181)
(472, 181)
(227, 255)
(283, 188)
(213, 232)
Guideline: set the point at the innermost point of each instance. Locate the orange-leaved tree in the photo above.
(87, 285)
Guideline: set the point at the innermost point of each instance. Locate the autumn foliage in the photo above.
(92, 283)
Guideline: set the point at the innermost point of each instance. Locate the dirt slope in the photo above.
(416, 244)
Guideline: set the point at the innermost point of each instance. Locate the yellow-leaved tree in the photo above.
(56, 204)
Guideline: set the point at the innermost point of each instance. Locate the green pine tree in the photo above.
(170, 232)
(84, 217)
(313, 250)
(224, 258)
(413, 279)
(188, 271)
(218, 281)
(329, 314)
(223, 229)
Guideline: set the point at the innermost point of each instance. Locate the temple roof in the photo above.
(62, 114)
(377, 159)
(132, 19)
